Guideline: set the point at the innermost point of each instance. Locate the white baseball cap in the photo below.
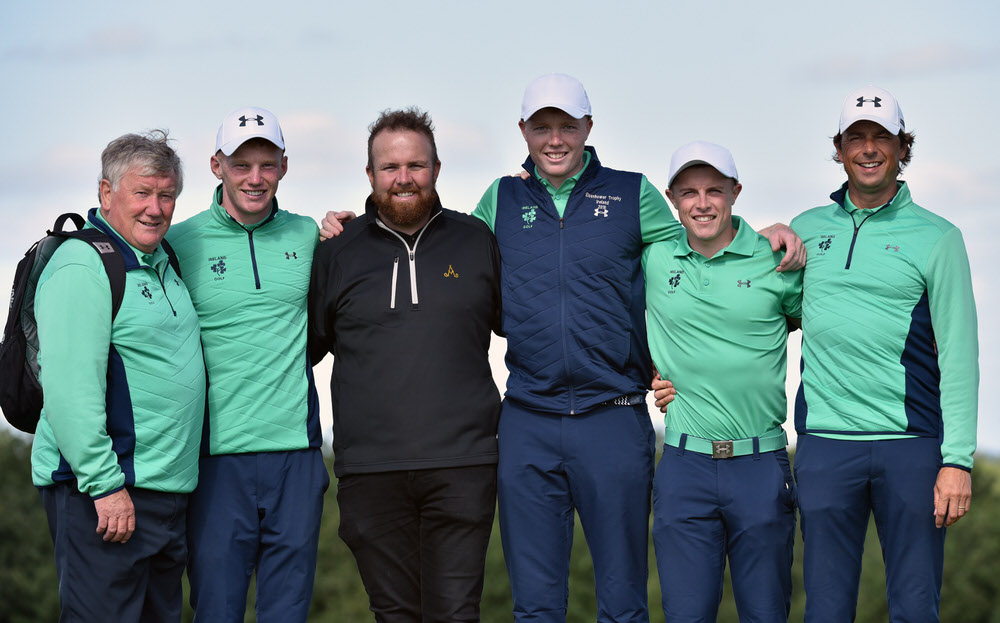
(872, 104)
(555, 91)
(701, 152)
(246, 123)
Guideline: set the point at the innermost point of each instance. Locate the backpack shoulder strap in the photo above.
(114, 263)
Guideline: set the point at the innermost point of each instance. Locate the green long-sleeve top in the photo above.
(249, 285)
(124, 401)
(889, 344)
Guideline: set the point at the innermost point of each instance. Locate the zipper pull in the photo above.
(560, 222)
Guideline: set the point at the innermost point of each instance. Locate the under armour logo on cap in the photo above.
(877, 101)
(872, 104)
(260, 120)
(247, 123)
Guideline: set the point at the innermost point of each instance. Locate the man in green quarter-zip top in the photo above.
(116, 446)
(886, 413)
(260, 492)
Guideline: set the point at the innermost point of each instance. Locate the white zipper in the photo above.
(412, 255)
(392, 293)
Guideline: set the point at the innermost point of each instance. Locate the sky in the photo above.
(764, 79)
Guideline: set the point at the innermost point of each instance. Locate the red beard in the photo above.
(405, 216)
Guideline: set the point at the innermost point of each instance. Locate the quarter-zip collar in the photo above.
(842, 198)
(219, 214)
(409, 243)
(861, 216)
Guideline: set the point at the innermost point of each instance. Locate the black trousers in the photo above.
(419, 539)
(138, 581)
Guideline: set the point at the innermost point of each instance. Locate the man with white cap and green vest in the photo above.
(886, 413)
(717, 312)
(260, 494)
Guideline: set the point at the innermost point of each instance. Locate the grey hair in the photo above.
(150, 152)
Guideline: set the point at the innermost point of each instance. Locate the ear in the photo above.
(216, 164)
(736, 190)
(670, 198)
(524, 128)
(437, 170)
(836, 148)
(284, 167)
(104, 192)
(589, 127)
(371, 176)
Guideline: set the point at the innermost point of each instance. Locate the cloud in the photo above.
(123, 41)
(132, 41)
(931, 59)
(949, 183)
(320, 145)
(62, 166)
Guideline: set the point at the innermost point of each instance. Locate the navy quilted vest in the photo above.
(573, 302)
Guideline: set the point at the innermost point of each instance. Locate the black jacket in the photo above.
(412, 386)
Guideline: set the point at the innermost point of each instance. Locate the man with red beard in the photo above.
(411, 291)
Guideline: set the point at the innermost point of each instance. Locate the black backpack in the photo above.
(20, 391)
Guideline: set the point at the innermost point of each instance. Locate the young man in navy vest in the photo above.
(574, 431)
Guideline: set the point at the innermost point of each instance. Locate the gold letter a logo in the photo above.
(451, 272)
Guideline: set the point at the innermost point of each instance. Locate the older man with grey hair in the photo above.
(115, 454)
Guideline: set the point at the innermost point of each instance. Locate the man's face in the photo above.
(250, 179)
(555, 143)
(871, 158)
(704, 200)
(402, 175)
(141, 209)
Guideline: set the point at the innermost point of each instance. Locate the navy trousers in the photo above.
(255, 511)
(599, 464)
(840, 484)
(138, 581)
(705, 509)
(420, 538)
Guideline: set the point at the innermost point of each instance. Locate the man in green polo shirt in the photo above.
(717, 326)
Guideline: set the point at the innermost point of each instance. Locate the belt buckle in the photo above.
(722, 449)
